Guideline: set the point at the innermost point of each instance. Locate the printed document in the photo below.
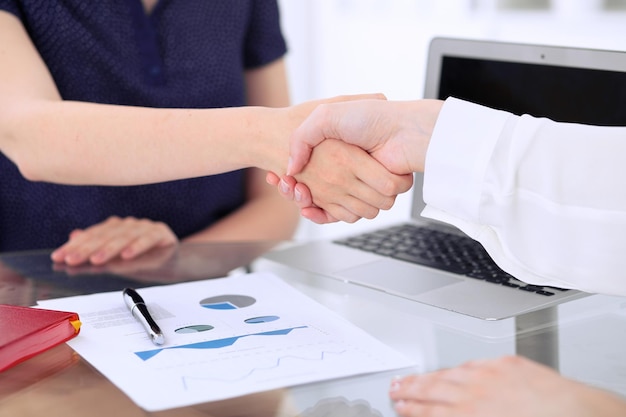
(224, 338)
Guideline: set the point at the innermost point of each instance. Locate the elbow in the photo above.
(29, 169)
(13, 148)
(26, 165)
(17, 147)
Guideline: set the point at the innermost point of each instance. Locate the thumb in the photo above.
(321, 124)
(308, 135)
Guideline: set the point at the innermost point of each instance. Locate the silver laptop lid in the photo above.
(561, 83)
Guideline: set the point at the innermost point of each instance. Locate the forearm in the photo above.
(599, 403)
(540, 196)
(85, 143)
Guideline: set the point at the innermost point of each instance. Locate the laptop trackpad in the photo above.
(397, 277)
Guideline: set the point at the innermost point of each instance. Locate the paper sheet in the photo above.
(224, 338)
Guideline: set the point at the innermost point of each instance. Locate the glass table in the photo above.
(584, 339)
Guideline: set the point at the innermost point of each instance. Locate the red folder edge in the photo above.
(45, 335)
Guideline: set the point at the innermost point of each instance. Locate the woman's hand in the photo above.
(510, 386)
(115, 237)
(396, 134)
(346, 181)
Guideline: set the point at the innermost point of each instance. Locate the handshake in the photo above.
(350, 159)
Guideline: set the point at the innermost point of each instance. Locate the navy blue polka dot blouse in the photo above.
(185, 53)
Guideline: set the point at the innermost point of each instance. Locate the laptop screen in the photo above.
(568, 94)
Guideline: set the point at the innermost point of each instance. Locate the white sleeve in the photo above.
(547, 200)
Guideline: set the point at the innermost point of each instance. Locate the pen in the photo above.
(139, 310)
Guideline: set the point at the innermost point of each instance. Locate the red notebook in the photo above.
(27, 331)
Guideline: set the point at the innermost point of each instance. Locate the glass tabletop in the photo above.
(584, 339)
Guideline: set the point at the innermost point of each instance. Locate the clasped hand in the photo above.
(382, 144)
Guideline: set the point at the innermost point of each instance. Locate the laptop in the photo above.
(417, 259)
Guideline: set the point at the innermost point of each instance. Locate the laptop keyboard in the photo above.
(441, 250)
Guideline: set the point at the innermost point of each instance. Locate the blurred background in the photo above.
(357, 46)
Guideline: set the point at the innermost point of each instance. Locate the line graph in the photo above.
(214, 344)
(320, 356)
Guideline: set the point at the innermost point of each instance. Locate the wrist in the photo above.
(426, 113)
(268, 131)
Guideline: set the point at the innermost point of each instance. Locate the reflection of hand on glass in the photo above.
(176, 263)
(511, 386)
(114, 238)
(155, 260)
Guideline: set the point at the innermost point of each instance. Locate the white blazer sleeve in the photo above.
(547, 200)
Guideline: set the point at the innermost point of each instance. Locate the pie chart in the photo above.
(262, 319)
(196, 328)
(227, 302)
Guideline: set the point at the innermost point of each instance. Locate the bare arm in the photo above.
(83, 143)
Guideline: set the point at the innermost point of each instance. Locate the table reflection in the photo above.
(59, 382)
(585, 338)
(26, 277)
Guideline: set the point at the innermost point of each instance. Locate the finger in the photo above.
(386, 183)
(85, 245)
(110, 250)
(59, 254)
(119, 239)
(286, 187)
(355, 97)
(366, 202)
(79, 250)
(75, 233)
(302, 141)
(317, 215)
(357, 198)
(444, 386)
(418, 409)
(302, 195)
(377, 186)
(136, 238)
(158, 235)
(340, 182)
(271, 178)
(357, 208)
(341, 213)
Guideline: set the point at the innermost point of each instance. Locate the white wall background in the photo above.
(356, 46)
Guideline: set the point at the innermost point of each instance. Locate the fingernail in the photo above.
(97, 257)
(289, 165)
(395, 386)
(73, 258)
(284, 187)
(399, 405)
(298, 195)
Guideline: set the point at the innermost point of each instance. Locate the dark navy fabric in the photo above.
(185, 53)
